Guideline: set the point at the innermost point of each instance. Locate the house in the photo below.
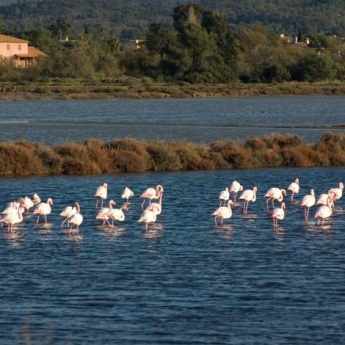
(19, 51)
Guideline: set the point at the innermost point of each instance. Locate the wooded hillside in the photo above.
(129, 19)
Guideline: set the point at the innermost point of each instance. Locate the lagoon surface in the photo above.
(184, 280)
(196, 120)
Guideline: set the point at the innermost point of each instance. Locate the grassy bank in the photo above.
(130, 88)
(23, 158)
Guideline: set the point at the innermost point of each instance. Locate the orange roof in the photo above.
(32, 53)
(9, 39)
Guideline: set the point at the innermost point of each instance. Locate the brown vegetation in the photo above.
(131, 88)
(22, 158)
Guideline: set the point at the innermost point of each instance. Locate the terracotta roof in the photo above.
(32, 53)
(9, 39)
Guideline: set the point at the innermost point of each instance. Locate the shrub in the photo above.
(17, 160)
(163, 157)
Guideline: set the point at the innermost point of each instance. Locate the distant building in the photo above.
(19, 51)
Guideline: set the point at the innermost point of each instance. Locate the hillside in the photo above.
(130, 19)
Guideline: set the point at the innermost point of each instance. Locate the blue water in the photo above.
(183, 280)
(196, 120)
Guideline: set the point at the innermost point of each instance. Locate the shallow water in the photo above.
(196, 120)
(182, 281)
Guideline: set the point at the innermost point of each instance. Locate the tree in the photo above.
(60, 29)
(315, 67)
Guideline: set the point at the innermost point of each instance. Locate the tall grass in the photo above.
(23, 158)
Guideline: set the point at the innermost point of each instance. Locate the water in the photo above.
(196, 120)
(183, 280)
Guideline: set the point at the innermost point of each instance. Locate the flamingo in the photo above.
(13, 217)
(76, 218)
(43, 209)
(223, 212)
(275, 193)
(117, 214)
(307, 202)
(127, 193)
(224, 196)
(278, 214)
(248, 195)
(157, 206)
(324, 211)
(36, 199)
(148, 216)
(67, 213)
(101, 193)
(235, 188)
(12, 206)
(323, 198)
(103, 212)
(294, 187)
(151, 193)
(338, 192)
(27, 203)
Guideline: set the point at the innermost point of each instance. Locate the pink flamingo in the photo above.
(278, 214)
(44, 209)
(235, 188)
(307, 202)
(248, 195)
(101, 193)
(275, 193)
(223, 212)
(294, 187)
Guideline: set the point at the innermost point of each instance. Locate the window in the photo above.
(19, 47)
(8, 46)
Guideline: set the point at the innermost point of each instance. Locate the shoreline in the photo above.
(134, 89)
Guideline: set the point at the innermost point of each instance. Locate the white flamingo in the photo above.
(76, 219)
(44, 209)
(151, 193)
(235, 188)
(13, 217)
(294, 187)
(224, 196)
(27, 203)
(117, 214)
(101, 193)
(323, 198)
(323, 212)
(103, 212)
(338, 192)
(36, 199)
(157, 206)
(223, 212)
(12, 206)
(248, 195)
(278, 214)
(148, 216)
(275, 193)
(127, 193)
(307, 202)
(67, 213)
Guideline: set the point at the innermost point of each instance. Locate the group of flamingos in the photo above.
(13, 214)
(324, 211)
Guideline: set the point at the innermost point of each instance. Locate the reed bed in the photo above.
(24, 158)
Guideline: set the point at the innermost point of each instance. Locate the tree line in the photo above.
(200, 47)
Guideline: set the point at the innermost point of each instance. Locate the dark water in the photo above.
(197, 120)
(182, 281)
